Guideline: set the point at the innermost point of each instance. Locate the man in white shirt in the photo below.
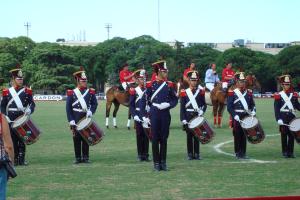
(211, 77)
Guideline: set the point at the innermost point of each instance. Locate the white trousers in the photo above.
(210, 86)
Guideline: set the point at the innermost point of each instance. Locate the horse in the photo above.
(117, 97)
(217, 97)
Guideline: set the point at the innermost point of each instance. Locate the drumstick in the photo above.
(288, 125)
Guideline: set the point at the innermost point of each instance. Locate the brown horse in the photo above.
(115, 96)
(218, 97)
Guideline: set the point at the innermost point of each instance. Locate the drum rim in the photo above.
(291, 129)
(27, 117)
(194, 118)
(79, 128)
(243, 125)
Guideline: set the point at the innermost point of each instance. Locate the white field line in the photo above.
(218, 149)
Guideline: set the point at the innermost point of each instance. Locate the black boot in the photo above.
(77, 160)
(85, 159)
(190, 156)
(163, 156)
(16, 161)
(197, 157)
(156, 158)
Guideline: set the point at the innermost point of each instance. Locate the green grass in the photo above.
(115, 173)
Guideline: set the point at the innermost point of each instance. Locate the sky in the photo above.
(181, 20)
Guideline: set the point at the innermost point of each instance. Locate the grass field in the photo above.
(116, 174)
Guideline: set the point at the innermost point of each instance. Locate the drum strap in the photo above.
(16, 98)
(80, 99)
(287, 102)
(192, 98)
(241, 98)
(84, 94)
(158, 90)
(139, 92)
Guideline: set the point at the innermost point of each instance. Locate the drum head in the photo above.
(20, 120)
(249, 122)
(195, 122)
(83, 123)
(295, 125)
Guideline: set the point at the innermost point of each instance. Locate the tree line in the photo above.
(49, 66)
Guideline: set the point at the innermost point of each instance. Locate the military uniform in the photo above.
(81, 103)
(285, 103)
(17, 101)
(142, 140)
(190, 108)
(240, 104)
(161, 97)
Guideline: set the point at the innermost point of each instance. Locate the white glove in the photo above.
(280, 122)
(237, 118)
(164, 105)
(157, 106)
(146, 120)
(200, 113)
(72, 123)
(27, 111)
(136, 118)
(253, 113)
(184, 122)
(89, 113)
(147, 108)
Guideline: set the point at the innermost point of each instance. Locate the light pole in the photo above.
(27, 25)
(108, 26)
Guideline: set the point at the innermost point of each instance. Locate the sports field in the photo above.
(116, 174)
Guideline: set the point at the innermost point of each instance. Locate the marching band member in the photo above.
(136, 95)
(81, 102)
(17, 101)
(161, 97)
(240, 103)
(192, 105)
(285, 103)
(126, 76)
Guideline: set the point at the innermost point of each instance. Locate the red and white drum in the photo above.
(253, 130)
(90, 131)
(26, 129)
(295, 129)
(201, 129)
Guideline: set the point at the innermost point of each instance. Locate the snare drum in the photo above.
(26, 130)
(253, 130)
(201, 129)
(90, 131)
(295, 129)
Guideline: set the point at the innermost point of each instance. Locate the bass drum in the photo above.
(295, 129)
(201, 129)
(90, 131)
(253, 130)
(26, 130)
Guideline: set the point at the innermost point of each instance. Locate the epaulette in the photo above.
(132, 91)
(5, 92)
(92, 91)
(170, 84)
(70, 92)
(277, 96)
(295, 94)
(28, 90)
(202, 92)
(182, 93)
(230, 93)
(149, 84)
